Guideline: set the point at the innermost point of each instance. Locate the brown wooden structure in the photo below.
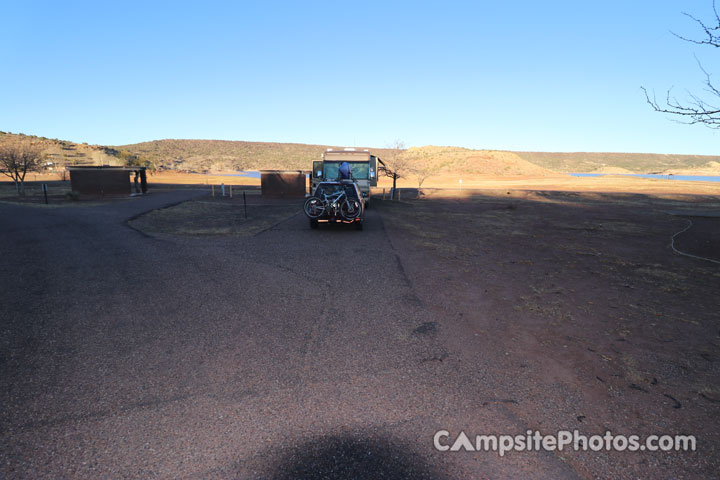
(283, 182)
(106, 180)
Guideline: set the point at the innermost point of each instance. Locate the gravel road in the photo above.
(294, 353)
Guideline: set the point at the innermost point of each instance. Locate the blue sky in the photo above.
(522, 75)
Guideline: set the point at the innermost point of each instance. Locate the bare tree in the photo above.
(421, 165)
(131, 159)
(396, 163)
(695, 109)
(18, 158)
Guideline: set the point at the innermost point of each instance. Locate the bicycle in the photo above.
(335, 205)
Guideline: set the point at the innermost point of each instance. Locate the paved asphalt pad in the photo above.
(294, 353)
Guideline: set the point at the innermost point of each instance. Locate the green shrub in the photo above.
(72, 196)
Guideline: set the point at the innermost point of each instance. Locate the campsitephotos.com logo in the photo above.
(533, 440)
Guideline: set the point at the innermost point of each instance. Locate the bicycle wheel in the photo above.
(314, 207)
(350, 209)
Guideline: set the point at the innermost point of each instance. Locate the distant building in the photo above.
(107, 180)
(283, 182)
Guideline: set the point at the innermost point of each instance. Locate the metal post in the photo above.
(212, 189)
(383, 193)
(230, 191)
(44, 189)
(223, 189)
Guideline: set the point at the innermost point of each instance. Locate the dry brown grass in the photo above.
(181, 178)
(520, 184)
(211, 218)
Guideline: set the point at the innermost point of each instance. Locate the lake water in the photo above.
(697, 178)
(249, 174)
(691, 178)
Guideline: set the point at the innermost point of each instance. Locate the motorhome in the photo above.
(363, 164)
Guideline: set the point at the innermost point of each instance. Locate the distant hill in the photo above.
(62, 152)
(478, 162)
(617, 162)
(221, 155)
(609, 169)
(710, 168)
(216, 155)
(236, 155)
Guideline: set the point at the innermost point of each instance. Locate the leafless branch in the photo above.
(695, 110)
(395, 160)
(713, 39)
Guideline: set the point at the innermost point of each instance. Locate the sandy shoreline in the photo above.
(559, 182)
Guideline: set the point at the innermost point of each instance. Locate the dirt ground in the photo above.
(589, 319)
(546, 304)
(583, 315)
(167, 177)
(208, 216)
(558, 182)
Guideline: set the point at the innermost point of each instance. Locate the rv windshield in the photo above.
(359, 170)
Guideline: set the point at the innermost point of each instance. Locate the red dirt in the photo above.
(574, 306)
